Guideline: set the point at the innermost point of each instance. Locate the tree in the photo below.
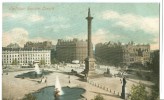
(53, 56)
(154, 66)
(98, 97)
(14, 62)
(54, 61)
(138, 92)
(42, 62)
(155, 92)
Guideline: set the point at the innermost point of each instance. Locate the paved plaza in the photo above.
(109, 87)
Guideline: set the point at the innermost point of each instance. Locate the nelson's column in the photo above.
(89, 61)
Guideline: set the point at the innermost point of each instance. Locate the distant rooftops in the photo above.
(73, 41)
(23, 49)
(110, 43)
(13, 45)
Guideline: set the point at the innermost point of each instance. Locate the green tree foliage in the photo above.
(14, 62)
(154, 66)
(155, 92)
(54, 61)
(53, 57)
(138, 92)
(98, 97)
(42, 62)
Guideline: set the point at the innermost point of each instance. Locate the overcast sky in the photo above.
(115, 22)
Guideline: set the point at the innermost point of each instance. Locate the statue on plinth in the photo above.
(108, 71)
(123, 88)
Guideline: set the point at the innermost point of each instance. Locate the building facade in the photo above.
(70, 50)
(116, 53)
(22, 56)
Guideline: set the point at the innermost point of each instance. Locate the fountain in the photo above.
(58, 90)
(36, 73)
(47, 93)
(37, 69)
(58, 93)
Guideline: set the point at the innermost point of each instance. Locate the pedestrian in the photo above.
(46, 81)
(41, 79)
(69, 79)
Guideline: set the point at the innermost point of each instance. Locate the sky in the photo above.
(123, 22)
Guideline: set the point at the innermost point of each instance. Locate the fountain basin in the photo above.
(33, 74)
(47, 93)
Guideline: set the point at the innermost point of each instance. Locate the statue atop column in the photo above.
(89, 61)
